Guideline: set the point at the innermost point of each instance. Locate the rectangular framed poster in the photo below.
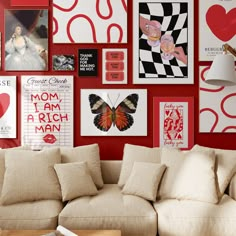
(163, 42)
(7, 107)
(113, 112)
(47, 111)
(173, 122)
(216, 27)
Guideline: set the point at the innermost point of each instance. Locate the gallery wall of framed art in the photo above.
(74, 73)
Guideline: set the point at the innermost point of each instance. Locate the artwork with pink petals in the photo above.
(80, 21)
(217, 106)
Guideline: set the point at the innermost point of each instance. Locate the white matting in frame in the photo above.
(176, 19)
(113, 112)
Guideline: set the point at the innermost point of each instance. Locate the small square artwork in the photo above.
(88, 62)
(173, 122)
(114, 69)
(113, 112)
(63, 62)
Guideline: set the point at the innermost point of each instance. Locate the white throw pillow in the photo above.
(225, 166)
(86, 153)
(30, 176)
(137, 153)
(144, 180)
(75, 180)
(189, 175)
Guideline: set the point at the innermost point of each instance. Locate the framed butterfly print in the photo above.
(113, 112)
(163, 42)
(173, 122)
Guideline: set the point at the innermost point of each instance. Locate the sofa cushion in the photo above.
(189, 175)
(75, 180)
(111, 171)
(89, 154)
(110, 209)
(30, 176)
(232, 187)
(137, 153)
(225, 164)
(2, 162)
(194, 218)
(144, 180)
(31, 215)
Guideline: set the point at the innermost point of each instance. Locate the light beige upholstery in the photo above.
(194, 218)
(111, 210)
(31, 215)
(111, 171)
(232, 187)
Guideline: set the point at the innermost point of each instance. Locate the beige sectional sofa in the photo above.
(111, 208)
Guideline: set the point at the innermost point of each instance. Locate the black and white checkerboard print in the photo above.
(174, 20)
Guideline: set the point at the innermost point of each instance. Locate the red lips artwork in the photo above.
(221, 23)
(4, 103)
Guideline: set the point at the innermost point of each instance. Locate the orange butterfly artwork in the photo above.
(107, 116)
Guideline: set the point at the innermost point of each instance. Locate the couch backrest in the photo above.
(111, 171)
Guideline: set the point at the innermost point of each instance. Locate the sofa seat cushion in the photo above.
(31, 215)
(194, 218)
(110, 209)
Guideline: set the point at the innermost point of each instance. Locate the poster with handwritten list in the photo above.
(47, 111)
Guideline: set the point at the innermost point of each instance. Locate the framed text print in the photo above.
(7, 107)
(163, 42)
(26, 40)
(47, 111)
(86, 21)
(113, 112)
(173, 122)
(216, 27)
(217, 106)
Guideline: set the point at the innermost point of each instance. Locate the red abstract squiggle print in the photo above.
(222, 105)
(109, 7)
(124, 5)
(109, 32)
(228, 127)
(216, 117)
(66, 9)
(89, 21)
(55, 26)
(203, 79)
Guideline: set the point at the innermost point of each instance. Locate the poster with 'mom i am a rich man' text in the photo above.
(47, 111)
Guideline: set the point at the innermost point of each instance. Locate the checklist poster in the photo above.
(47, 111)
(7, 107)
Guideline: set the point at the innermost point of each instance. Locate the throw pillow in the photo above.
(30, 176)
(232, 188)
(225, 166)
(2, 161)
(144, 180)
(89, 154)
(189, 176)
(137, 153)
(75, 180)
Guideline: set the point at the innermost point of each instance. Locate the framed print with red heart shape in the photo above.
(217, 26)
(7, 107)
(173, 122)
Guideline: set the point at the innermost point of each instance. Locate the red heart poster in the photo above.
(217, 26)
(7, 107)
(30, 2)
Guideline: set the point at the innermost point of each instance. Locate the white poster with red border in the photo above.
(47, 111)
(217, 26)
(7, 107)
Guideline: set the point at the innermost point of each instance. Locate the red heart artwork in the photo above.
(222, 24)
(4, 103)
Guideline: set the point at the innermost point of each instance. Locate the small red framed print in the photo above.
(173, 122)
(29, 3)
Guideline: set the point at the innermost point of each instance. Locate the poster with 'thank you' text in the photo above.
(47, 111)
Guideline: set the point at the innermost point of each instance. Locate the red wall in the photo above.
(112, 147)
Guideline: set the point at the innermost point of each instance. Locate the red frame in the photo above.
(29, 3)
(156, 119)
